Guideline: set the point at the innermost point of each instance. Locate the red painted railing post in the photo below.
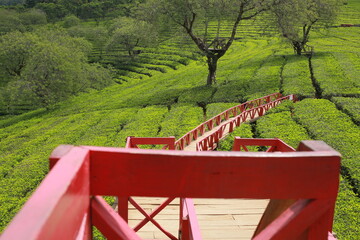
(58, 152)
(123, 207)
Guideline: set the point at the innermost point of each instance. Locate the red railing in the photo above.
(134, 142)
(188, 228)
(210, 142)
(273, 144)
(67, 204)
(185, 140)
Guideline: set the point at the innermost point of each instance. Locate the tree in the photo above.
(130, 33)
(296, 18)
(11, 2)
(49, 64)
(194, 17)
(71, 21)
(98, 36)
(33, 17)
(54, 12)
(10, 21)
(91, 10)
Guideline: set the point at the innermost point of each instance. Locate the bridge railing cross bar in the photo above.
(67, 202)
(265, 103)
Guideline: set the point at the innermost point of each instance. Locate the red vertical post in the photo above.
(320, 229)
(181, 208)
(58, 152)
(123, 207)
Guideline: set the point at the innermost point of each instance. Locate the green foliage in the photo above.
(11, 2)
(130, 33)
(200, 95)
(295, 19)
(347, 213)
(9, 21)
(281, 125)
(23, 166)
(71, 21)
(105, 132)
(249, 69)
(266, 79)
(332, 77)
(286, 105)
(15, 119)
(91, 10)
(146, 123)
(351, 106)
(324, 121)
(214, 109)
(180, 120)
(33, 17)
(46, 67)
(296, 77)
(243, 131)
(196, 17)
(54, 12)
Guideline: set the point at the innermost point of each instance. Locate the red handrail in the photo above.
(210, 142)
(188, 224)
(185, 140)
(66, 204)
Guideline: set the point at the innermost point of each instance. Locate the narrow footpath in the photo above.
(218, 218)
(227, 218)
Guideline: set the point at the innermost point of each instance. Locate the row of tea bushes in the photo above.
(351, 106)
(296, 77)
(324, 121)
(180, 120)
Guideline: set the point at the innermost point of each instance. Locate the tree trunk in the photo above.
(298, 47)
(212, 66)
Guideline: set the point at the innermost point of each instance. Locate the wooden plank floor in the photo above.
(218, 218)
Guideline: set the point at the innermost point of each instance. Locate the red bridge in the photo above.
(302, 185)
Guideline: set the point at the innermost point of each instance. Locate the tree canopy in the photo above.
(130, 33)
(194, 16)
(295, 19)
(47, 65)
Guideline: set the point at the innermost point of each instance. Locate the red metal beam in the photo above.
(294, 222)
(62, 199)
(152, 214)
(151, 219)
(132, 142)
(109, 222)
(135, 172)
(191, 222)
(258, 106)
(275, 143)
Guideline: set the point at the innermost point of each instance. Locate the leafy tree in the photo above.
(47, 65)
(130, 33)
(54, 12)
(15, 52)
(71, 21)
(296, 18)
(72, 6)
(10, 21)
(91, 10)
(194, 17)
(33, 17)
(32, 3)
(11, 2)
(98, 36)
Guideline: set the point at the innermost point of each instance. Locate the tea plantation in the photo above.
(162, 93)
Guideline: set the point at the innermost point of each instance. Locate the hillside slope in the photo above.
(172, 103)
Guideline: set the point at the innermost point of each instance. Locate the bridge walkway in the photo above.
(228, 219)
